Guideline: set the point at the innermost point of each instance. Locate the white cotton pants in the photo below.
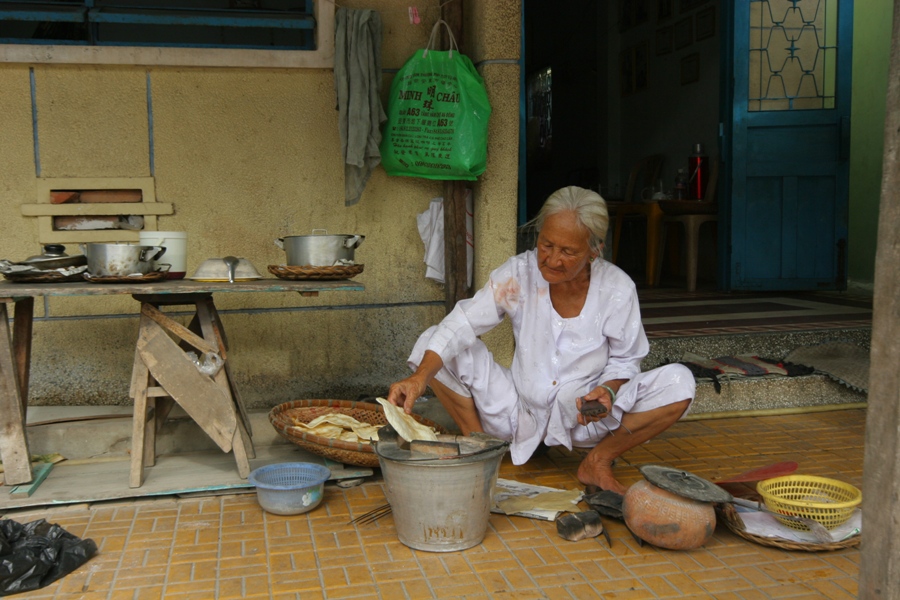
(474, 374)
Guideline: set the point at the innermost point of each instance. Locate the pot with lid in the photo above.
(120, 259)
(320, 249)
(53, 257)
(671, 508)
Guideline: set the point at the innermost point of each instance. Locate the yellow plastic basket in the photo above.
(828, 501)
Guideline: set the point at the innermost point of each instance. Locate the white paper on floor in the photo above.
(529, 495)
(765, 525)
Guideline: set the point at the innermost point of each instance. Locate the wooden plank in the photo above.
(48, 235)
(242, 445)
(241, 456)
(164, 405)
(22, 330)
(199, 395)
(95, 480)
(41, 471)
(220, 329)
(99, 208)
(455, 271)
(881, 484)
(177, 329)
(139, 382)
(222, 339)
(45, 185)
(13, 442)
(139, 372)
(170, 287)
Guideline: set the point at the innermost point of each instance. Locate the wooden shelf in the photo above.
(45, 211)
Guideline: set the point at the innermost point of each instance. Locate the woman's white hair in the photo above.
(588, 206)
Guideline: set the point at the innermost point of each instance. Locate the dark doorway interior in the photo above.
(610, 83)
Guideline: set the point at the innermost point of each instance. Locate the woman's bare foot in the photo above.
(598, 471)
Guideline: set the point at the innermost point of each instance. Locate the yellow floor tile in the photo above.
(228, 547)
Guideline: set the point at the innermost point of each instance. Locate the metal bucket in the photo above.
(442, 505)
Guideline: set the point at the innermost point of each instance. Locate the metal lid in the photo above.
(54, 257)
(684, 484)
(475, 447)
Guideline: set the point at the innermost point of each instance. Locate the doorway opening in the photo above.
(608, 84)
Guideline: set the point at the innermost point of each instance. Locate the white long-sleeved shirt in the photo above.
(556, 359)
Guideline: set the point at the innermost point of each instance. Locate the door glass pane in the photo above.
(793, 54)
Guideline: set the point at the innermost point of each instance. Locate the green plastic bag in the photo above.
(438, 114)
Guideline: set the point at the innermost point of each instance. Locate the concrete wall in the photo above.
(871, 52)
(247, 155)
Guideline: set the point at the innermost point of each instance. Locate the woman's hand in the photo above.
(406, 391)
(601, 395)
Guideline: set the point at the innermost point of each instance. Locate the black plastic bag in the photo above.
(37, 554)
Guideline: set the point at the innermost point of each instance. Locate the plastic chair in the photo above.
(692, 214)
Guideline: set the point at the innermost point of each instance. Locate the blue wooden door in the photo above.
(788, 141)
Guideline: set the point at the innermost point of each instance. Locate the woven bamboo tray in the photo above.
(315, 273)
(43, 277)
(148, 278)
(352, 453)
(732, 520)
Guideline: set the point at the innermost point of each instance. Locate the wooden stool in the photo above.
(164, 374)
(15, 357)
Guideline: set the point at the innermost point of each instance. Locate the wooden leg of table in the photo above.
(208, 314)
(212, 332)
(243, 450)
(217, 321)
(13, 441)
(164, 406)
(139, 421)
(24, 317)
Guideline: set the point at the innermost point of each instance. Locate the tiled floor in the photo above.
(227, 547)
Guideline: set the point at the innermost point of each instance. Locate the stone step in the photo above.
(664, 350)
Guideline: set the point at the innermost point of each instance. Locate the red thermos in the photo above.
(698, 173)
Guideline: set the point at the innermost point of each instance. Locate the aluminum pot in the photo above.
(319, 249)
(120, 259)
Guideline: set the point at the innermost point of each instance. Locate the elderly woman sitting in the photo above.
(579, 337)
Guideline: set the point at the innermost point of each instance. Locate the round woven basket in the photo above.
(362, 454)
(732, 520)
(828, 501)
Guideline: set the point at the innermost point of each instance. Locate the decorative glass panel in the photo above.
(793, 54)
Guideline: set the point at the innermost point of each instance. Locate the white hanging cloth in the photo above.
(431, 230)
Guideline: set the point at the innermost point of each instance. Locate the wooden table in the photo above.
(654, 215)
(154, 360)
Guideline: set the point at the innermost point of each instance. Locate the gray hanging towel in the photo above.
(357, 84)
